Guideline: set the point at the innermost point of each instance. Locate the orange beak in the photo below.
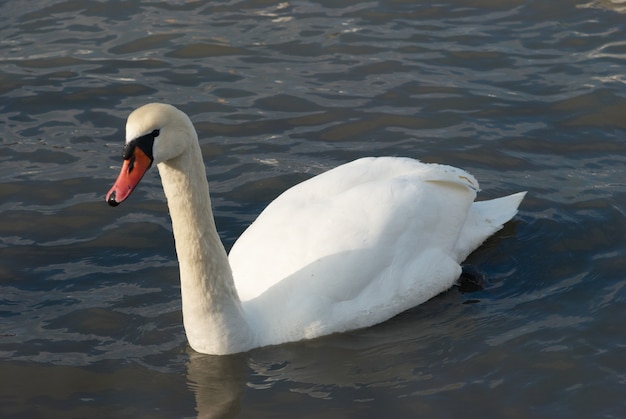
(132, 171)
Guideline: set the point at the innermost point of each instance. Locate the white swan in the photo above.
(347, 249)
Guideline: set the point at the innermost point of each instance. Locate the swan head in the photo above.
(155, 133)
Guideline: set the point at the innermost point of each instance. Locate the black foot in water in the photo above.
(471, 280)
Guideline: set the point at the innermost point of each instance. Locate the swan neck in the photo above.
(212, 313)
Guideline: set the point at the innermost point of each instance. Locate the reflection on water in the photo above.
(526, 95)
(616, 5)
(218, 383)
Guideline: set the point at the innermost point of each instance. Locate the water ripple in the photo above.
(526, 95)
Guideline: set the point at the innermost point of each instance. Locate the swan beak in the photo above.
(132, 171)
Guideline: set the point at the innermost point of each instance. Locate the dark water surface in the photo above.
(526, 95)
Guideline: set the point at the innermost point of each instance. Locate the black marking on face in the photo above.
(145, 143)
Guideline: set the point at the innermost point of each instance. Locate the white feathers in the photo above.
(349, 248)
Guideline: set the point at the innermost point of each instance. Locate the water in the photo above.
(526, 95)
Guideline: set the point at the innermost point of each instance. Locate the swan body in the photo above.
(347, 249)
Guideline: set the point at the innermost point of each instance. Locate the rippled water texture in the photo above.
(526, 95)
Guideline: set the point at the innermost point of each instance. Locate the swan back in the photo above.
(392, 207)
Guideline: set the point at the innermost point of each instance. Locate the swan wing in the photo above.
(362, 223)
(359, 244)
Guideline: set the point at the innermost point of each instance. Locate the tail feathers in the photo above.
(484, 219)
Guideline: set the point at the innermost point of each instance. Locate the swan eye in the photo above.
(145, 143)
